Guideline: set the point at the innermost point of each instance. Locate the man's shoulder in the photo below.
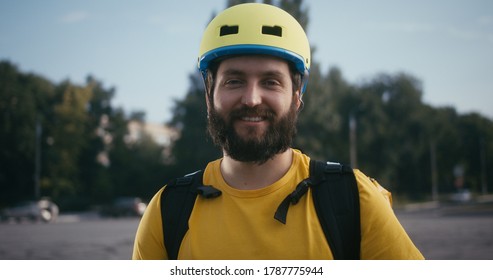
(301, 158)
(369, 187)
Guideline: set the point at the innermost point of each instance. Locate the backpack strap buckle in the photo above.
(293, 198)
(208, 192)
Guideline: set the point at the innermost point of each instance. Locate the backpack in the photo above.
(335, 196)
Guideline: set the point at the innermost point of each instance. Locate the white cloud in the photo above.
(489, 38)
(408, 27)
(470, 35)
(463, 34)
(75, 16)
(158, 20)
(485, 20)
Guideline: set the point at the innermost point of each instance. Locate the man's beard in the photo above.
(258, 149)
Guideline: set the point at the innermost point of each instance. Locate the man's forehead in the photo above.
(254, 63)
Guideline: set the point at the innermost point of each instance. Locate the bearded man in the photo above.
(255, 60)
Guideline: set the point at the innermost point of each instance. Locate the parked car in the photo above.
(125, 207)
(43, 210)
(463, 195)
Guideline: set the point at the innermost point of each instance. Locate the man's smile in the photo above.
(252, 119)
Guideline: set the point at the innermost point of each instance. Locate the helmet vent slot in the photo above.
(272, 30)
(228, 30)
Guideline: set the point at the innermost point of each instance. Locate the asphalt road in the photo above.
(458, 232)
(69, 239)
(454, 232)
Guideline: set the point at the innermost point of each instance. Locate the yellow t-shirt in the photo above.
(240, 224)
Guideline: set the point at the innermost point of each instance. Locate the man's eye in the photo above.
(271, 83)
(233, 82)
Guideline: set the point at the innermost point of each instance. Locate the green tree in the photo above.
(194, 149)
(392, 132)
(94, 176)
(137, 165)
(476, 141)
(65, 127)
(86, 157)
(24, 98)
(323, 120)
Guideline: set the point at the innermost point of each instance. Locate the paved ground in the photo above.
(451, 234)
(69, 239)
(446, 232)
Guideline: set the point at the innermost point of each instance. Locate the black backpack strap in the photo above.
(336, 200)
(177, 201)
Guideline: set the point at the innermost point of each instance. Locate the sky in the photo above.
(147, 50)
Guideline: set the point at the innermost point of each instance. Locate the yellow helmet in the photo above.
(256, 28)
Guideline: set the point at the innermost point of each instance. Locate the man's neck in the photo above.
(251, 176)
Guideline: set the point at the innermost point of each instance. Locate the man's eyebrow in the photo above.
(233, 72)
(273, 73)
(267, 73)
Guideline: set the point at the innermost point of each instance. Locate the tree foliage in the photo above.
(84, 156)
(194, 148)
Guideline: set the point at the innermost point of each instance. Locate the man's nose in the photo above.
(252, 96)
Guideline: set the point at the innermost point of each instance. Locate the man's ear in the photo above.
(208, 101)
(297, 99)
(207, 92)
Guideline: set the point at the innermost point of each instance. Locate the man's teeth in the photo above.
(252, 119)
